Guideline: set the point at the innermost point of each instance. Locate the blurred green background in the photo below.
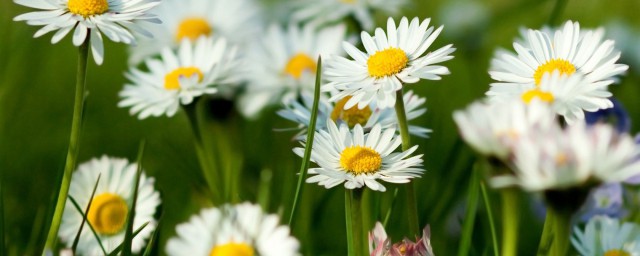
(36, 98)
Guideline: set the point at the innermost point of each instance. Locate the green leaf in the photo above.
(95, 234)
(311, 130)
(135, 233)
(487, 205)
(152, 241)
(472, 206)
(2, 247)
(128, 235)
(84, 216)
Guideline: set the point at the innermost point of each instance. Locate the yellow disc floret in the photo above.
(298, 64)
(232, 249)
(563, 66)
(616, 252)
(387, 62)
(193, 28)
(351, 116)
(172, 80)
(108, 213)
(88, 8)
(528, 96)
(360, 160)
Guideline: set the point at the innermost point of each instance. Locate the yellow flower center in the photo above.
(232, 249)
(172, 80)
(88, 8)
(528, 96)
(387, 62)
(298, 64)
(351, 116)
(360, 160)
(563, 66)
(193, 28)
(108, 213)
(616, 252)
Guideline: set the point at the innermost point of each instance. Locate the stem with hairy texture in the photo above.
(410, 194)
(74, 142)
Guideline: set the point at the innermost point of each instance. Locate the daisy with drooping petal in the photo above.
(329, 11)
(358, 159)
(283, 63)
(606, 236)
(578, 156)
(239, 230)
(570, 96)
(235, 20)
(391, 60)
(110, 205)
(567, 51)
(90, 18)
(492, 128)
(300, 112)
(196, 69)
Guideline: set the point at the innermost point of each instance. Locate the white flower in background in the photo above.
(238, 230)
(90, 18)
(196, 69)
(300, 112)
(464, 17)
(380, 244)
(283, 62)
(492, 128)
(605, 236)
(328, 11)
(578, 156)
(110, 205)
(236, 20)
(358, 159)
(567, 51)
(391, 60)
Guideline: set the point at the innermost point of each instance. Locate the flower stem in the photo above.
(353, 212)
(510, 215)
(410, 194)
(556, 233)
(74, 142)
(487, 205)
(205, 158)
(557, 11)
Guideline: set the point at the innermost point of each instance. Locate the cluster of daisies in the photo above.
(533, 122)
(533, 125)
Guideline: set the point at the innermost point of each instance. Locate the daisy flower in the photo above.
(299, 111)
(360, 159)
(196, 69)
(240, 230)
(575, 157)
(492, 128)
(283, 63)
(570, 96)
(235, 20)
(90, 18)
(329, 11)
(568, 51)
(605, 236)
(391, 59)
(110, 205)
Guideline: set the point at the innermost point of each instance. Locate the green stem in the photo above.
(546, 238)
(562, 231)
(353, 206)
(510, 216)
(558, 8)
(412, 207)
(487, 205)
(74, 142)
(204, 156)
(472, 206)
